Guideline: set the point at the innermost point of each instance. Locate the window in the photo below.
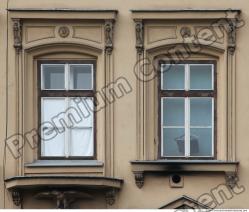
(66, 105)
(187, 109)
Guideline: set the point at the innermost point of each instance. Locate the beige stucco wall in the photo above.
(156, 191)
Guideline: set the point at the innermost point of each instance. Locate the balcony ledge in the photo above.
(140, 167)
(61, 184)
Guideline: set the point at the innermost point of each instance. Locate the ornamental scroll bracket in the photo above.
(17, 31)
(139, 28)
(232, 26)
(109, 31)
(139, 179)
(231, 36)
(110, 196)
(16, 197)
(231, 179)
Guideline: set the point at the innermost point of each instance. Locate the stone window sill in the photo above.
(65, 163)
(140, 167)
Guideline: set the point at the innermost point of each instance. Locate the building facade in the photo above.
(113, 104)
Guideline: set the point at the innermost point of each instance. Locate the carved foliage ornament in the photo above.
(231, 36)
(17, 31)
(139, 27)
(109, 25)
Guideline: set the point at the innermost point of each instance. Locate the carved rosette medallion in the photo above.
(64, 31)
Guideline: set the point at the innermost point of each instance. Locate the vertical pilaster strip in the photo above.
(109, 112)
(231, 67)
(140, 122)
(17, 32)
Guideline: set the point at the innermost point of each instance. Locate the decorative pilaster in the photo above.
(139, 27)
(109, 26)
(109, 109)
(139, 179)
(231, 89)
(17, 31)
(16, 197)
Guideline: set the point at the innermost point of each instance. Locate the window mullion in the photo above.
(66, 140)
(187, 128)
(66, 76)
(66, 115)
(187, 113)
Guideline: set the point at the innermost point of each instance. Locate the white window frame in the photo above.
(187, 126)
(67, 132)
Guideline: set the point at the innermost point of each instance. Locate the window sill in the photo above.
(65, 163)
(140, 167)
(78, 167)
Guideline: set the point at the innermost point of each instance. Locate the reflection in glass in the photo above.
(201, 142)
(53, 77)
(173, 111)
(81, 77)
(201, 111)
(173, 142)
(201, 77)
(173, 77)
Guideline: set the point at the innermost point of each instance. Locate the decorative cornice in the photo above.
(109, 26)
(139, 27)
(17, 31)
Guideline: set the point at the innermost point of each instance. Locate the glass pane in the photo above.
(82, 142)
(55, 146)
(53, 77)
(201, 111)
(201, 142)
(52, 107)
(81, 77)
(173, 142)
(201, 77)
(83, 108)
(173, 77)
(173, 112)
